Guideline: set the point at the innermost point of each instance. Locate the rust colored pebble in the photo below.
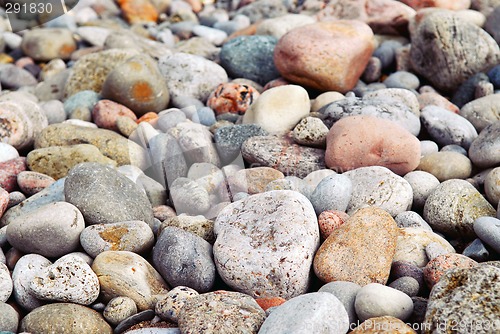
(8, 172)
(267, 302)
(106, 113)
(149, 117)
(32, 182)
(232, 98)
(330, 220)
(136, 11)
(438, 266)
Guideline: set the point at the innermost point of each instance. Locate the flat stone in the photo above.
(133, 320)
(244, 234)
(359, 251)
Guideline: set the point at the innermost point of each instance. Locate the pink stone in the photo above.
(8, 172)
(330, 220)
(232, 98)
(438, 266)
(106, 112)
(4, 201)
(445, 4)
(32, 182)
(383, 16)
(328, 56)
(361, 141)
(431, 98)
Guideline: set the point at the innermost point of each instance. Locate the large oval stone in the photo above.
(265, 244)
(359, 251)
(328, 56)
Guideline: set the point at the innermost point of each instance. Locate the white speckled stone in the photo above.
(274, 234)
(7, 152)
(168, 308)
(25, 270)
(69, 279)
(119, 309)
(378, 186)
(5, 283)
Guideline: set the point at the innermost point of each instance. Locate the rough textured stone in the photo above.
(9, 318)
(119, 309)
(168, 308)
(275, 234)
(359, 251)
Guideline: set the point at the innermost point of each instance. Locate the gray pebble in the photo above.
(373, 70)
(476, 251)
(54, 110)
(27, 267)
(454, 148)
(377, 300)
(422, 184)
(485, 149)
(9, 318)
(411, 219)
(434, 249)
(13, 77)
(402, 79)
(229, 139)
(189, 197)
(483, 111)
(488, 230)
(170, 118)
(332, 193)
(119, 309)
(345, 292)
(408, 285)
(427, 147)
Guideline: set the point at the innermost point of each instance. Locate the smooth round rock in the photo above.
(221, 312)
(488, 230)
(6, 284)
(138, 85)
(273, 253)
(485, 149)
(250, 57)
(119, 309)
(70, 279)
(27, 267)
(9, 318)
(106, 112)
(378, 186)
(407, 285)
(422, 184)
(492, 186)
(184, 259)
(328, 56)
(53, 230)
(402, 79)
(17, 129)
(446, 165)
(376, 300)
(346, 293)
(48, 43)
(329, 221)
(189, 197)
(198, 225)
(64, 318)
(31, 182)
(168, 308)
(279, 26)
(332, 193)
(295, 315)
(272, 115)
(411, 219)
(7, 152)
(453, 206)
(482, 112)
(229, 139)
(134, 236)
(359, 251)
(366, 136)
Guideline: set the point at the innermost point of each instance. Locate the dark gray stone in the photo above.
(476, 251)
(134, 320)
(346, 293)
(229, 139)
(466, 91)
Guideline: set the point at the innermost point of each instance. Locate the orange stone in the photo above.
(266, 303)
(328, 56)
(136, 11)
(232, 98)
(149, 117)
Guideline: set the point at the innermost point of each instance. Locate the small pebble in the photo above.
(438, 266)
(406, 284)
(411, 219)
(488, 230)
(329, 221)
(31, 183)
(492, 186)
(168, 307)
(402, 79)
(376, 300)
(476, 251)
(346, 293)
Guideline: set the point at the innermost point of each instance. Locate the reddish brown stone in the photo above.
(136, 11)
(232, 98)
(266, 303)
(33, 182)
(106, 112)
(9, 171)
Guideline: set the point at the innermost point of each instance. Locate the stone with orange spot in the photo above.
(267, 302)
(136, 11)
(138, 85)
(232, 98)
(149, 117)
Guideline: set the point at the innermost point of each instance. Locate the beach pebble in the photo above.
(346, 293)
(17, 128)
(48, 43)
(14, 77)
(123, 273)
(196, 143)
(402, 79)
(446, 4)
(198, 225)
(400, 269)
(6, 284)
(189, 197)
(9, 318)
(220, 312)
(454, 55)
(447, 128)
(7, 152)
(492, 186)
(82, 100)
(412, 242)
(281, 154)
(64, 317)
(272, 115)
(70, 279)
(435, 99)
(388, 323)
(399, 95)
(422, 184)
(279, 26)
(466, 92)
(134, 236)
(243, 234)
(325, 55)
(454, 148)
(54, 111)
(27, 267)
(446, 165)
(494, 76)
(168, 308)
(332, 193)
(488, 230)
(294, 315)
(373, 70)
(325, 98)
(253, 180)
(106, 112)
(376, 300)
(190, 76)
(360, 251)
(229, 139)
(31, 183)
(4, 200)
(365, 134)
(138, 85)
(483, 111)
(115, 199)
(411, 219)
(232, 98)
(184, 259)
(250, 57)
(310, 131)
(408, 285)
(427, 147)
(485, 149)
(467, 306)
(8, 172)
(134, 319)
(439, 265)
(51, 230)
(453, 206)
(378, 186)
(215, 36)
(329, 221)
(119, 309)
(476, 251)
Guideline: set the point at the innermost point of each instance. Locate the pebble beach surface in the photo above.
(251, 166)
